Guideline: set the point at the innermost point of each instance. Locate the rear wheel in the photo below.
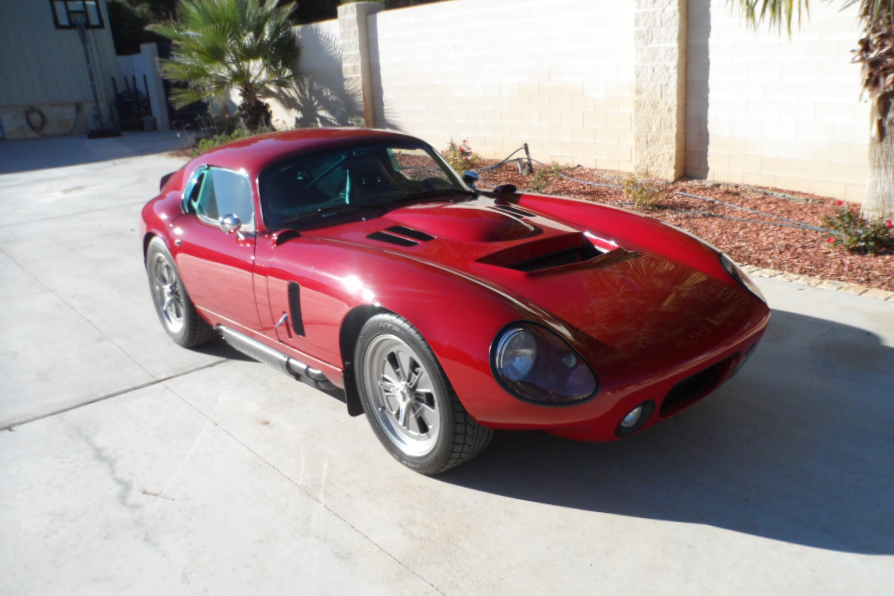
(409, 402)
(175, 310)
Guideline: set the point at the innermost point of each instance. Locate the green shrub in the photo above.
(857, 234)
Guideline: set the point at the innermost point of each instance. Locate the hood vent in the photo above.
(570, 256)
(514, 211)
(411, 233)
(392, 239)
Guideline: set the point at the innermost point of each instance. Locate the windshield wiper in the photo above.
(324, 212)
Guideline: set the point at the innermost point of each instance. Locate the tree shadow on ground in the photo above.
(797, 448)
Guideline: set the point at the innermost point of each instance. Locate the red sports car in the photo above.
(358, 261)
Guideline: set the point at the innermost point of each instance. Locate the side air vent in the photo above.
(295, 308)
(514, 211)
(392, 239)
(411, 233)
(569, 256)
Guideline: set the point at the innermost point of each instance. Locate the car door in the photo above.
(216, 265)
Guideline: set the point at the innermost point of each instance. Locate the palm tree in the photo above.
(876, 52)
(224, 45)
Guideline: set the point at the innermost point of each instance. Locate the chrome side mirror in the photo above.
(230, 223)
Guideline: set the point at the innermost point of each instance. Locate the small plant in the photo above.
(857, 234)
(460, 156)
(643, 192)
(543, 178)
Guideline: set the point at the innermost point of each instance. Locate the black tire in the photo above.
(175, 310)
(408, 400)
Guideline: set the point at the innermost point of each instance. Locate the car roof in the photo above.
(256, 153)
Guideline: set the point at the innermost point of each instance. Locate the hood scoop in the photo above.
(555, 254)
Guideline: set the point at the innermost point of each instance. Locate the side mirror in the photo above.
(505, 191)
(230, 223)
(471, 178)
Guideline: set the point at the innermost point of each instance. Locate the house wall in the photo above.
(42, 70)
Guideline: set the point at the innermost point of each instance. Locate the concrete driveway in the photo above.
(131, 466)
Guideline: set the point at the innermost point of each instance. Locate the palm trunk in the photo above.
(879, 201)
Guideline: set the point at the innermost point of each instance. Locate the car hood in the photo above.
(612, 299)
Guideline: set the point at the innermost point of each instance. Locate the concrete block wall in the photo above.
(660, 87)
(321, 96)
(670, 86)
(770, 110)
(503, 72)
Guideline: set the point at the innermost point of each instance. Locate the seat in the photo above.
(368, 181)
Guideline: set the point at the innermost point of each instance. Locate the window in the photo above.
(353, 178)
(215, 192)
(67, 14)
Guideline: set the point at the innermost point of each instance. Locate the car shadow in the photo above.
(797, 448)
(222, 349)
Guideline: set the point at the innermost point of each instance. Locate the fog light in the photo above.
(635, 418)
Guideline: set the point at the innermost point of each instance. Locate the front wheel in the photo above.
(409, 402)
(175, 310)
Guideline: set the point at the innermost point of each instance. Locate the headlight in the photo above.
(740, 276)
(536, 365)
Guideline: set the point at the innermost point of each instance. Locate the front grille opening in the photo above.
(577, 254)
(688, 391)
(392, 239)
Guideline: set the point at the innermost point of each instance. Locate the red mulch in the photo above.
(758, 242)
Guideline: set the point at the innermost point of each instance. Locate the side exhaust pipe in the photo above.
(283, 363)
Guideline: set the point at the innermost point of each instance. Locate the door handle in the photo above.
(282, 320)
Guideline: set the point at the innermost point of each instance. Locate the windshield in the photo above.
(353, 178)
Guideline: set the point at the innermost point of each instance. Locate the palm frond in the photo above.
(775, 12)
(221, 45)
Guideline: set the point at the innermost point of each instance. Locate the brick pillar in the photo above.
(659, 108)
(354, 31)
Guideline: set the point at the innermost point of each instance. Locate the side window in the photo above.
(224, 192)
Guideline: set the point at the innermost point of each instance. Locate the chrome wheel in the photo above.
(168, 293)
(402, 395)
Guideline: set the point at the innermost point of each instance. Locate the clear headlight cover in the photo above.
(741, 277)
(536, 365)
